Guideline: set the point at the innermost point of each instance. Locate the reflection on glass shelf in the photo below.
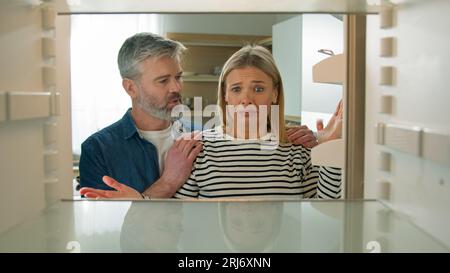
(244, 226)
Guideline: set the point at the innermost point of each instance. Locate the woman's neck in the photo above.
(243, 132)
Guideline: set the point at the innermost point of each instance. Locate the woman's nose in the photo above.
(246, 99)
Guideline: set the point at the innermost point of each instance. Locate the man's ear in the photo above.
(131, 87)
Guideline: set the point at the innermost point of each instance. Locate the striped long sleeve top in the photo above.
(257, 169)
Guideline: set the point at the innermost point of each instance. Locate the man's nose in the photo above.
(175, 86)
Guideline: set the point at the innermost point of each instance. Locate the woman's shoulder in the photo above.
(287, 146)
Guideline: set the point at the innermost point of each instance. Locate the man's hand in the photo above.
(177, 167)
(121, 191)
(333, 130)
(301, 135)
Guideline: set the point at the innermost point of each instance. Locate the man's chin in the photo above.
(159, 115)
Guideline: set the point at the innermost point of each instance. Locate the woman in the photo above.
(252, 154)
(249, 155)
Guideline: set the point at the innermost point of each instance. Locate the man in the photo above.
(140, 150)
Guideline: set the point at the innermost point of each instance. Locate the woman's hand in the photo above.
(121, 191)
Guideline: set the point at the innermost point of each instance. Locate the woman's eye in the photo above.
(259, 89)
(235, 89)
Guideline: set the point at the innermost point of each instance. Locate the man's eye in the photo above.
(163, 81)
(179, 78)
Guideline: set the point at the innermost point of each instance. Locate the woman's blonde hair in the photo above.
(260, 58)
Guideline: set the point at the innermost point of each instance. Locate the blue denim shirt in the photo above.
(119, 151)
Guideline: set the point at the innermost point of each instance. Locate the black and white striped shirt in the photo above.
(254, 168)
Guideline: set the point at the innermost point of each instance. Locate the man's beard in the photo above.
(151, 108)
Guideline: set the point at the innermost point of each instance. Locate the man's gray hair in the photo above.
(142, 46)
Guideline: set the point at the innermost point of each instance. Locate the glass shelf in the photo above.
(213, 226)
(182, 6)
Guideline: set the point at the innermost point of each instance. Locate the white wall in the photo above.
(283, 17)
(98, 98)
(287, 52)
(420, 189)
(239, 24)
(320, 31)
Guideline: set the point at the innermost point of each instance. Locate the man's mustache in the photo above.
(174, 96)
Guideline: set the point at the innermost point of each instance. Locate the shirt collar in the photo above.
(129, 127)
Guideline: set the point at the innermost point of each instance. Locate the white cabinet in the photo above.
(330, 70)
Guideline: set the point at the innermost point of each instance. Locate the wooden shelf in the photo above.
(265, 42)
(231, 44)
(293, 120)
(201, 78)
(220, 40)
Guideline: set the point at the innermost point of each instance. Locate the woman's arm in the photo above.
(189, 189)
(319, 181)
(329, 184)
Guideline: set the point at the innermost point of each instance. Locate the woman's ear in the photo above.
(130, 87)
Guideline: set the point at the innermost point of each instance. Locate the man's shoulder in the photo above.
(110, 134)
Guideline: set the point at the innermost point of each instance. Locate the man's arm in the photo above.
(333, 130)
(178, 167)
(92, 166)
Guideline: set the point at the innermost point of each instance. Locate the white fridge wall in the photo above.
(418, 189)
(26, 186)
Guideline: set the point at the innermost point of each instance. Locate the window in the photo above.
(98, 98)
